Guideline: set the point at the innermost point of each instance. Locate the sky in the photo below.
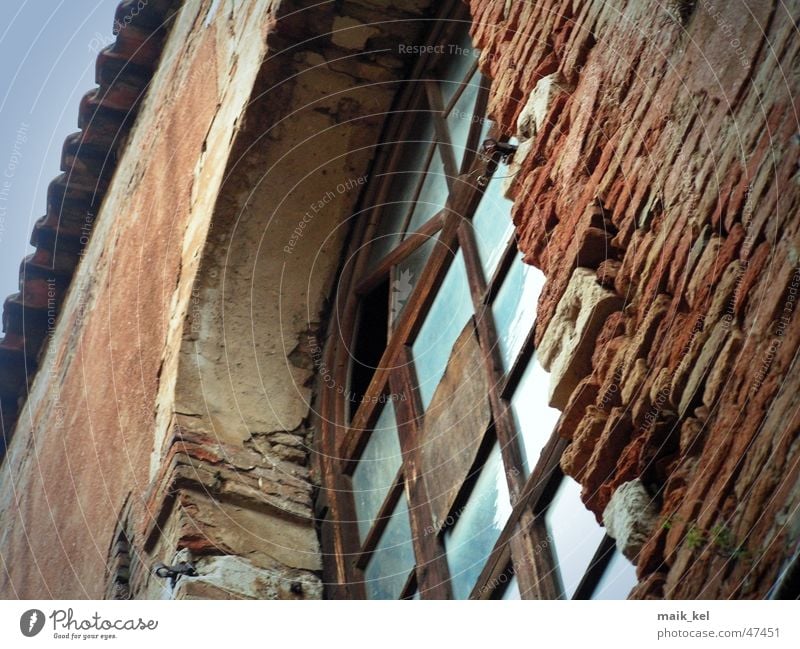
(47, 56)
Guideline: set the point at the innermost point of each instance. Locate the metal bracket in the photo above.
(506, 150)
(184, 568)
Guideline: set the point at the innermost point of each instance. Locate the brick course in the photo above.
(671, 147)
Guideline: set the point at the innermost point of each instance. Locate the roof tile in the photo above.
(88, 160)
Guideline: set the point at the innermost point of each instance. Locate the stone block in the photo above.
(535, 110)
(567, 345)
(630, 518)
(230, 577)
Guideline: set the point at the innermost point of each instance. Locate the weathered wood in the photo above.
(443, 446)
(351, 443)
(442, 131)
(473, 144)
(456, 421)
(432, 574)
(403, 250)
(496, 281)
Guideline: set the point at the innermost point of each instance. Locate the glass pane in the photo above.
(470, 541)
(432, 196)
(388, 567)
(487, 125)
(406, 275)
(404, 178)
(512, 590)
(388, 232)
(618, 578)
(514, 308)
(448, 314)
(574, 533)
(534, 418)
(457, 59)
(376, 469)
(492, 224)
(463, 116)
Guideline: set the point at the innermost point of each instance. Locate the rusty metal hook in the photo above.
(505, 149)
(184, 568)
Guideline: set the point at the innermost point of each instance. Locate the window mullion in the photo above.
(381, 521)
(525, 356)
(356, 435)
(433, 578)
(461, 89)
(430, 280)
(410, 586)
(521, 547)
(508, 258)
(473, 144)
(504, 425)
(543, 567)
(537, 567)
(341, 508)
(451, 167)
(409, 323)
(497, 563)
(592, 576)
(409, 245)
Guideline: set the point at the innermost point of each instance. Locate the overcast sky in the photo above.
(47, 55)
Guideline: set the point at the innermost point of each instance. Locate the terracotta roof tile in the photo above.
(88, 160)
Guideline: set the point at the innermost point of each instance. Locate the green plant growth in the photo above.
(721, 538)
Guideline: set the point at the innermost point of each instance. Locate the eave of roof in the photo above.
(88, 160)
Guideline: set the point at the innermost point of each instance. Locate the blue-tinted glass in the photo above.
(390, 564)
(407, 274)
(433, 195)
(535, 419)
(514, 309)
(388, 232)
(376, 469)
(618, 578)
(450, 311)
(573, 533)
(458, 58)
(405, 179)
(492, 224)
(470, 541)
(462, 117)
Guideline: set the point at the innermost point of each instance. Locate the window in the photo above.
(438, 455)
(584, 560)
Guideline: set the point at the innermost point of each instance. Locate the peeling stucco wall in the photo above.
(246, 366)
(88, 442)
(182, 365)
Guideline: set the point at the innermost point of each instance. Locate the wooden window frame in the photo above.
(522, 547)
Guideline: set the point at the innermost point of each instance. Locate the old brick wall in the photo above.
(660, 145)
